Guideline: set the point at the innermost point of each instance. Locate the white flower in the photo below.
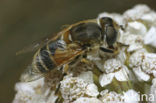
(135, 42)
(32, 92)
(149, 18)
(111, 97)
(113, 69)
(106, 79)
(122, 55)
(143, 62)
(76, 87)
(136, 58)
(136, 28)
(142, 76)
(131, 96)
(150, 37)
(136, 12)
(130, 39)
(112, 65)
(149, 63)
(106, 72)
(87, 76)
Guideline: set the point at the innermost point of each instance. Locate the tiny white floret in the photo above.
(150, 37)
(131, 96)
(106, 79)
(136, 28)
(142, 76)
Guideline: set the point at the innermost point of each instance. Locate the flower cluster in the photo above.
(109, 78)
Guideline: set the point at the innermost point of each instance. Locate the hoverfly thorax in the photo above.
(86, 33)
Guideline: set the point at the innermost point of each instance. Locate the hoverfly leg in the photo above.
(122, 27)
(65, 70)
(57, 89)
(122, 45)
(106, 50)
(84, 60)
(58, 100)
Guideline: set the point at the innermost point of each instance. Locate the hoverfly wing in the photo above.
(30, 75)
(63, 56)
(64, 26)
(30, 48)
(36, 45)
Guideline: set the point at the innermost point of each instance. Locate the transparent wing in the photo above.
(35, 45)
(30, 48)
(63, 56)
(52, 37)
(65, 26)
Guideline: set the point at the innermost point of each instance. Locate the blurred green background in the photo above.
(24, 21)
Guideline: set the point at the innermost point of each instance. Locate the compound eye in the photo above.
(106, 21)
(111, 35)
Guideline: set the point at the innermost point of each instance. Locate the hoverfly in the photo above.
(71, 42)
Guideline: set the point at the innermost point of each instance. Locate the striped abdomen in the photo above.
(43, 59)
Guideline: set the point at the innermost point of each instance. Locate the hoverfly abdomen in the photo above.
(38, 64)
(44, 60)
(46, 57)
